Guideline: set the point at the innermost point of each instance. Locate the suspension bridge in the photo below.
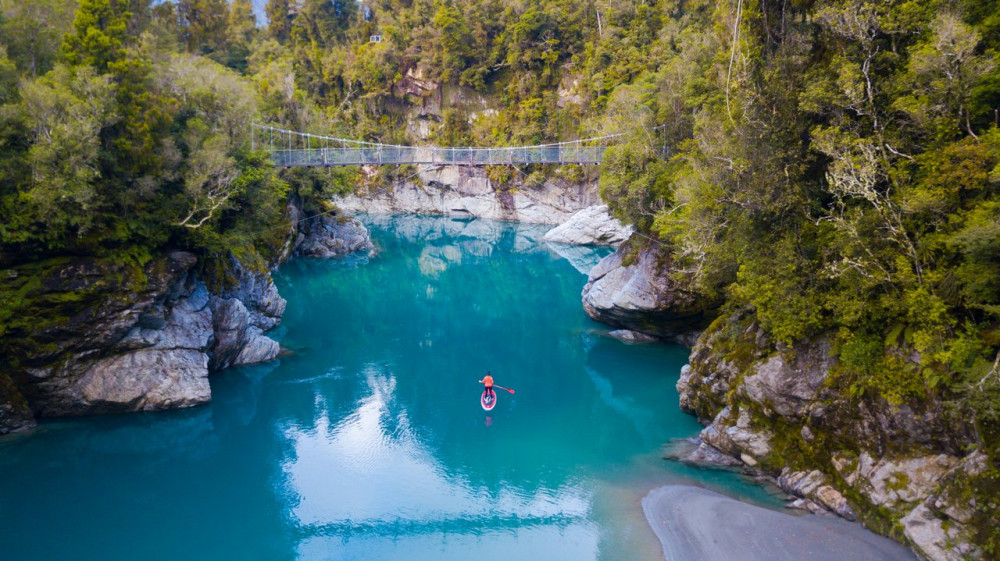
(298, 149)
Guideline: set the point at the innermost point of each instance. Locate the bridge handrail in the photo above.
(309, 137)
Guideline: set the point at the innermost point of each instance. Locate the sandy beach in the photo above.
(695, 524)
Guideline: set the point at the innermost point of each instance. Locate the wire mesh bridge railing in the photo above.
(296, 149)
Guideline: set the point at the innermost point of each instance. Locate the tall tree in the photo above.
(100, 30)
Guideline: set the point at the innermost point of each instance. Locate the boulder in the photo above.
(325, 237)
(145, 380)
(698, 453)
(628, 336)
(752, 443)
(256, 348)
(814, 486)
(641, 295)
(935, 539)
(593, 225)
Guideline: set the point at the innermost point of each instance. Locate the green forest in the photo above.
(831, 166)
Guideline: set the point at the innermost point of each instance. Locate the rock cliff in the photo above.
(468, 192)
(633, 289)
(105, 336)
(905, 469)
(914, 471)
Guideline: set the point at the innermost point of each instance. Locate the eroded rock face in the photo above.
(790, 382)
(890, 482)
(131, 345)
(465, 191)
(591, 226)
(935, 538)
(897, 459)
(161, 366)
(641, 296)
(325, 237)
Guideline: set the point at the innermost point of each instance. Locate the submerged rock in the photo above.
(591, 226)
(641, 295)
(628, 336)
(583, 258)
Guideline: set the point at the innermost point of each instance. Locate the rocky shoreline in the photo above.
(149, 341)
(146, 339)
(141, 346)
(778, 411)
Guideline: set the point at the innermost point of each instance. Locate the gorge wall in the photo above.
(913, 471)
(99, 335)
(108, 337)
(468, 192)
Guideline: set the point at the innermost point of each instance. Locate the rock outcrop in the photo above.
(468, 192)
(113, 337)
(590, 226)
(780, 411)
(332, 236)
(633, 289)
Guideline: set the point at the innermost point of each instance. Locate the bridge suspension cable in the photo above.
(294, 149)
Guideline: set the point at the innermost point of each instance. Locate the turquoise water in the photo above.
(368, 441)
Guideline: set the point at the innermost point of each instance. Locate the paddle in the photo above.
(503, 388)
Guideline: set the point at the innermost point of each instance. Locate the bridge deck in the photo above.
(381, 155)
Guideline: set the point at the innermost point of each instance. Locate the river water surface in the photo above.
(368, 441)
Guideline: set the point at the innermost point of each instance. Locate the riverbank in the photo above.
(695, 523)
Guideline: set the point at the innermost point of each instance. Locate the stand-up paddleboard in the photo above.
(488, 400)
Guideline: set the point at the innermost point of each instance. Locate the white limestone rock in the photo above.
(936, 540)
(466, 191)
(814, 486)
(328, 237)
(789, 384)
(591, 226)
(642, 296)
(891, 482)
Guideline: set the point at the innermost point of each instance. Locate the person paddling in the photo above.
(488, 382)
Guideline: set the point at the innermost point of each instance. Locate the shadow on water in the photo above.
(368, 441)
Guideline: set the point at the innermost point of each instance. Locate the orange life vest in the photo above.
(488, 380)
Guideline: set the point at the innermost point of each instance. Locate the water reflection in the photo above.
(369, 476)
(368, 441)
